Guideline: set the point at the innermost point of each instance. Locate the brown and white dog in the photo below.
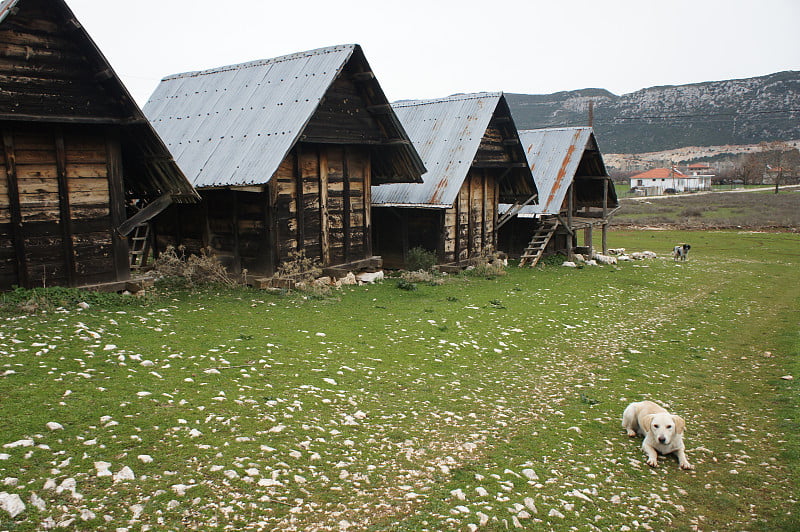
(681, 252)
(662, 431)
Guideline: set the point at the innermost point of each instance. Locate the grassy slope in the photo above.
(374, 407)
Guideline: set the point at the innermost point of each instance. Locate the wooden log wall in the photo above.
(44, 71)
(55, 216)
(321, 204)
(469, 225)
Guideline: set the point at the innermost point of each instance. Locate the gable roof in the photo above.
(555, 156)
(102, 96)
(447, 133)
(233, 125)
(660, 173)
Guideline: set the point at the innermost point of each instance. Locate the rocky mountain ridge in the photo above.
(731, 112)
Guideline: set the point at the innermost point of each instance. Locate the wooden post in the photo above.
(323, 208)
(484, 246)
(368, 206)
(570, 233)
(457, 249)
(587, 237)
(237, 252)
(67, 244)
(116, 199)
(605, 215)
(346, 205)
(299, 202)
(16, 211)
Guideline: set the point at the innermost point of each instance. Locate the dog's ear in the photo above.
(680, 424)
(648, 422)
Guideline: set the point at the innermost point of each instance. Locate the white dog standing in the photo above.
(662, 431)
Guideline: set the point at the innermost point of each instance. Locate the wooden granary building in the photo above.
(474, 159)
(575, 195)
(78, 158)
(284, 153)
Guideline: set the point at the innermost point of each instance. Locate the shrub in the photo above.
(486, 270)
(422, 276)
(420, 259)
(402, 284)
(194, 269)
(299, 267)
(556, 259)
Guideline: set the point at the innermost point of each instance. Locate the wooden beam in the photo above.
(116, 206)
(346, 204)
(299, 202)
(17, 117)
(368, 206)
(16, 210)
(324, 239)
(67, 245)
(497, 164)
(150, 211)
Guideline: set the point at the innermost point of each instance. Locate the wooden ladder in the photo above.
(140, 246)
(538, 243)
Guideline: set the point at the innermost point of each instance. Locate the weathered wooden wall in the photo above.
(469, 225)
(322, 196)
(44, 72)
(57, 186)
(317, 202)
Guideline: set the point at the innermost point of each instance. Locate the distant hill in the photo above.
(739, 111)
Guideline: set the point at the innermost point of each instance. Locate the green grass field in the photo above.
(485, 402)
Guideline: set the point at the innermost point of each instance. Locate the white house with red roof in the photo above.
(660, 181)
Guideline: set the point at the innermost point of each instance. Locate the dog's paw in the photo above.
(631, 433)
(686, 465)
(652, 462)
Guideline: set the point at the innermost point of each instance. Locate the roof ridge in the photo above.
(460, 97)
(262, 62)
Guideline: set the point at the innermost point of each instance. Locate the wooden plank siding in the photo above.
(316, 202)
(45, 72)
(63, 235)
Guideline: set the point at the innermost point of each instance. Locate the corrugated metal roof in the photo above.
(446, 132)
(232, 126)
(235, 124)
(554, 156)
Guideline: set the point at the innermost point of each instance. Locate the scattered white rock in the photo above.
(530, 505)
(145, 458)
(19, 443)
(569, 264)
(38, 502)
(83, 304)
(530, 474)
(126, 473)
(787, 378)
(11, 503)
(481, 491)
(52, 425)
(458, 494)
(102, 469)
(330, 381)
(555, 513)
(87, 515)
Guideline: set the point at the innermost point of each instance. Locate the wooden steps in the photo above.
(533, 252)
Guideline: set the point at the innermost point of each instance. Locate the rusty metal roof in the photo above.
(233, 125)
(447, 133)
(554, 156)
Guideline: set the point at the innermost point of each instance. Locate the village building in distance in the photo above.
(80, 167)
(284, 153)
(474, 158)
(660, 181)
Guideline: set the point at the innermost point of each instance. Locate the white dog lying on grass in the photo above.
(662, 431)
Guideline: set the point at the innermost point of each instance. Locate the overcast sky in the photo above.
(433, 48)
